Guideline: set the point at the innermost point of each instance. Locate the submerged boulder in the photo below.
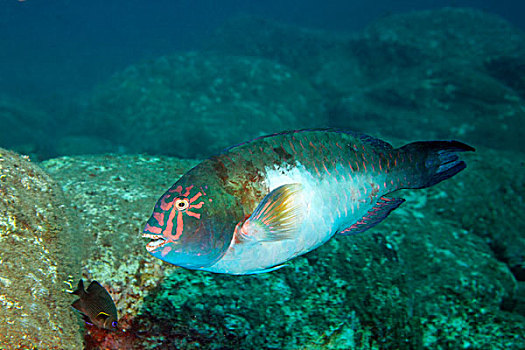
(446, 73)
(197, 104)
(434, 74)
(40, 252)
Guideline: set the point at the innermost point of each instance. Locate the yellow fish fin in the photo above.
(277, 217)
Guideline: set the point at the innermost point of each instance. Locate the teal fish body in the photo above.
(264, 202)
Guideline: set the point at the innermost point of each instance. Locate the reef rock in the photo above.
(434, 74)
(196, 104)
(447, 73)
(38, 253)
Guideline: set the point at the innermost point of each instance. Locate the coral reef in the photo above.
(39, 251)
(424, 278)
(195, 103)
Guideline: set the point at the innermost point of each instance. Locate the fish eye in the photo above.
(114, 324)
(182, 203)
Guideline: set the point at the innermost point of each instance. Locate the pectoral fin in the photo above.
(277, 217)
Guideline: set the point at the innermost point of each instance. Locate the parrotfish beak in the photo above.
(157, 241)
(192, 251)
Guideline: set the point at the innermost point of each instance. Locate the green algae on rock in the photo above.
(38, 253)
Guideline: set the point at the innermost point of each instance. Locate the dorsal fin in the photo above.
(363, 137)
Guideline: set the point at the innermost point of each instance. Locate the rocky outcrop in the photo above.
(197, 104)
(39, 251)
(448, 73)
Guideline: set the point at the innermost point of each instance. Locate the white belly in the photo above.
(329, 205)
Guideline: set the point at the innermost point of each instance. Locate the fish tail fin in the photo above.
(438, 160)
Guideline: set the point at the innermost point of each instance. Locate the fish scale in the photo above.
(261, 203)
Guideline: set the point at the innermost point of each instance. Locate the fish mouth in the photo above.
(156, 242)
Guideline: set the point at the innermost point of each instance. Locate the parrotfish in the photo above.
(262, 203)
(97, 305)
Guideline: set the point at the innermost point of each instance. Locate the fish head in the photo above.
(107, 321)
(192, 224)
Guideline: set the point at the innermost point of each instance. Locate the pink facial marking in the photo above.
(195, 215)
(165, 251)
(152, 229)
(180, 226)
(194, 198)
(159, 217)
(169, 226)
(198, 205)
(188, 189)
(364, 165)
(164, 205)
(177, 189)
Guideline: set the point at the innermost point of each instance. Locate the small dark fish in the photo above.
(97, 305)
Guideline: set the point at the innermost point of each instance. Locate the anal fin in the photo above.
(270, 269)
(374, 216)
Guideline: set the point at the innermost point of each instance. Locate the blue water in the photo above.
(61, 47)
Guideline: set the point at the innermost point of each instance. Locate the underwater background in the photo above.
(105, 104)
